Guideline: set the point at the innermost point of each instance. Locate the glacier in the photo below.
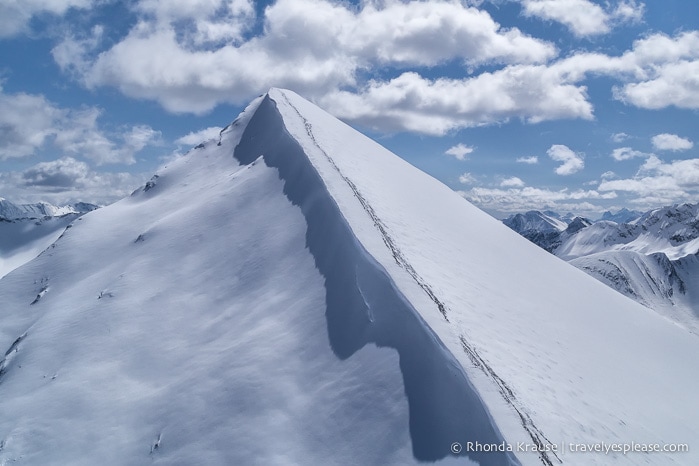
(294, 293)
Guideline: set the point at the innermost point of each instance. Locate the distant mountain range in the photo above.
(651, 257)
(28, 229)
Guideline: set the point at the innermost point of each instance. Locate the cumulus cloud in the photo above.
(16, 15)
(28, 123)
(196, 137)
(459, 151)
(62, 173)
(312, 46)
(671, 142)
(531, 93)
(533, 160)
(619, 137)
(520, 199)
(467, 178)
(658, 182)
(662, 71)
(584, 17)
(368, 63)
(512, 182)
(626, 153)
(68, 180)
(572, 162)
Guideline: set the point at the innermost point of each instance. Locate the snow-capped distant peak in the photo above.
(11, 211)
(535, 220)
(622, 216)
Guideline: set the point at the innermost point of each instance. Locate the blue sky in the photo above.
(573, 105)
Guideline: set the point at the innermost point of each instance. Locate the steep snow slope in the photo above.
(28, 229)
(535, 220)
(540, 228)
(520, 321)
(323, 302)
(189, 324)
(667, 286)
(22, 241)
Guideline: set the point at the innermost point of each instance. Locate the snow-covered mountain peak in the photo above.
(298, 284)
(622, 216)
(577, 224)
(535, 220)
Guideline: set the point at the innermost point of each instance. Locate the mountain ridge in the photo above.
(10, 211)
(650, 259)
(293, 293)
(28, 229)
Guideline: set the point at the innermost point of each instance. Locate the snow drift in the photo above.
(296, 294)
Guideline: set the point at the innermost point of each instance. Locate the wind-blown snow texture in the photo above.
(316, 300)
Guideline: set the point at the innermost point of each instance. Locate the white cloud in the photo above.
(459, 151)
(311, 46)
(671, 142)
(628, 11)
(29, 123)
(608, 175)
(520, 199)
(411, 102)
(528, 160)
(15, 15)
(583, 17)
(627, 153)
(467, 178)
(512, 182)
(140, 136)
(62, 173)
(571, 162)
(662, 72)
(619, 137)
(196, 137)
(214, 21)
(67, 180)
(657, 182)
(26, 121)
(192, 56)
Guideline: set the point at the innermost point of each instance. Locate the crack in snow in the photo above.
(378, 223)
(510, 398)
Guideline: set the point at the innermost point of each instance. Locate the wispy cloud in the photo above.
(528, 160)
(196, 137)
